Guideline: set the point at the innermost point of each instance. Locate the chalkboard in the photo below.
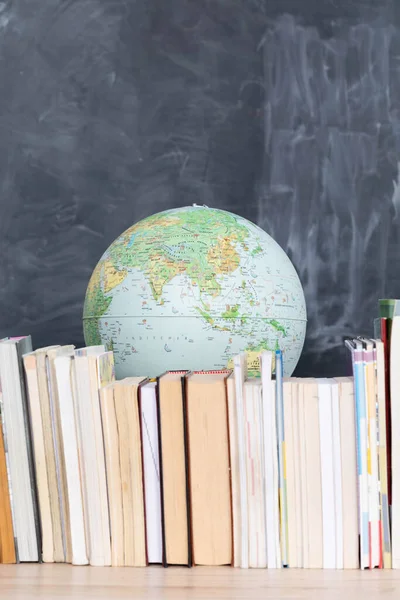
(284, 111)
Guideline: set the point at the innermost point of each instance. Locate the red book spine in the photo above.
(386, 344)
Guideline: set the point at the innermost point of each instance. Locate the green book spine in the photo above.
(389, 308)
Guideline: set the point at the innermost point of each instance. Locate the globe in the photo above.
(191, 287)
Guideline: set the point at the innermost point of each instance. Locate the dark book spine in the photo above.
(386, 344)
(164, 551)
(187, 469)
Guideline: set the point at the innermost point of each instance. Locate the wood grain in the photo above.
(58, 581)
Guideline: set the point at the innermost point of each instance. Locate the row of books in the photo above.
(198, 468)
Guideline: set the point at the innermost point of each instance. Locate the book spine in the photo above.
(270, 452)
(240, 372)
(386, 346)
(10, 492)
(139, 406)
(187, 470)
(362, 457)
(23, 347)
(229, 419)
(164, 550)
(375, 517)
(281, 458)
(383, 479)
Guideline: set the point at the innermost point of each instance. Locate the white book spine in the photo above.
(395, 412)
(90, 478)
(270, 463)
(337, 474)
(281, 457)
(13, 404)
(40, 465)
(70, 443)
(239, 373)
(327, 477)
(151, 463)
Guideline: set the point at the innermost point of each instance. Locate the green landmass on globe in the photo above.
(189, 288)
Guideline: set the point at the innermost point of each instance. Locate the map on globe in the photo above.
(189, 288)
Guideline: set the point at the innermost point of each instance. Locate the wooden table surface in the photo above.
(154, 583)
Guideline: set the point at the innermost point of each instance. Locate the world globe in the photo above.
(191, 287)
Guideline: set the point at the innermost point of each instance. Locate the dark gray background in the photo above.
(284, 111)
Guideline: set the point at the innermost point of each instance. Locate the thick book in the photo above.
(327, 473)
(311, 459)
(48, 453)
(51, 467)
(270, 452)
(174, 483)
(66, 392)
(235, 476)
(114, 487)
(122, 442)
(348, 457)
(209, 468)
(16, 430)
(41, 440)
(94, 368)
(255, 468)
(58, 446)
(126, 399)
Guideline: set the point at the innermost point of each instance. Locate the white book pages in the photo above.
(98, 555)
(275, 499)
(281, 456)
(239, 362)
(288, 393)
(255, 487)
(42, 482)
(64, 374)
(297, 474)
(235, 478)
(327, 474)
(18, 451)
(270, 463)
(337, 473)
(348, 450)
(395, 412)
(383, 476)
(151, 465)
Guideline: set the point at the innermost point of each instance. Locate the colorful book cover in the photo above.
(369, 356)
(356, 349)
